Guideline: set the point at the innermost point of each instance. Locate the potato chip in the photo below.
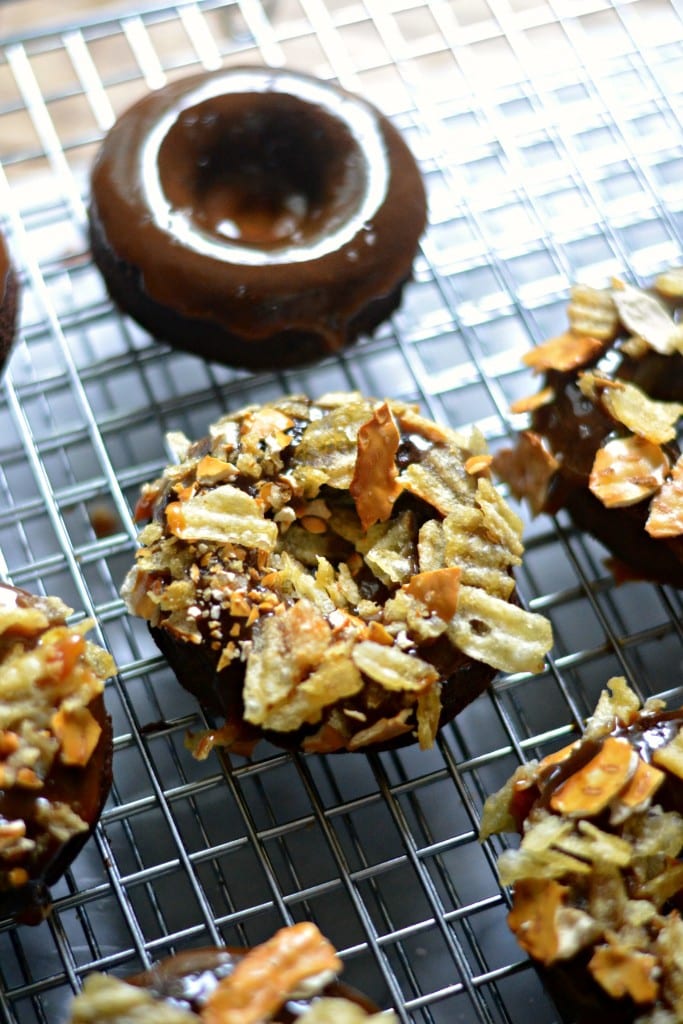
(329, 445)
(627, 470)
(285, 648)
(627, 404)
(501, 524)
(439, 479)
(384, 730)
(392, 668)
(532, 402)
(428, 715)
(527, 469)
(336, 678)
(407, 611)
(592, 311)
(501, 634)
(392, 557)
(647, 318)
(223, 515)
(568, 351)
(482, 562)
(666, 508)
(431, 544)
(296, 581)
(670, 756)
(670, 283)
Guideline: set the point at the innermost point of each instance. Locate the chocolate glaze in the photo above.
(646, 734)
(255, 216)
(188, 978)
(84, 789)
(9, 300)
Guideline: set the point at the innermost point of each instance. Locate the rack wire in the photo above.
(549, 134)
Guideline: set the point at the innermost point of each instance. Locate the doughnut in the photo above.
(598, 876)
(332, 574)
(9, 300)
(55, 747)
(289, 978)
(604, 433)
(256, 217)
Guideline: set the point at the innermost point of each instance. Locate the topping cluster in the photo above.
(348, 553)
(599, 872)
(623, 345)
(49, 677)
(296, 963)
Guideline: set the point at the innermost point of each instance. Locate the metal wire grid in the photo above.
(550, 139)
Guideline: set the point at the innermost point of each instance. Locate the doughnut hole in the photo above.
(265, 171)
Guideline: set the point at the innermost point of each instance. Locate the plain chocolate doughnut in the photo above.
(254, 216)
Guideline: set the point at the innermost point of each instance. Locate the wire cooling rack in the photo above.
(550, 138)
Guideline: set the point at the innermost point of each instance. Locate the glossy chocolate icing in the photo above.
(256, 204)
(84, 789)
(647, 733)
(188, 978)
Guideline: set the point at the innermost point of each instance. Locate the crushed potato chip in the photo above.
(670, 283)
(527, 469)
(531, 402)
(627, 404)
(502, 634)
(627, 470)
(665, 518)
(568, 351)
(428, 715)
(392, 667)
(647, 318)
(592, 311)
(223, 515)
(392, 557)
(624, 972)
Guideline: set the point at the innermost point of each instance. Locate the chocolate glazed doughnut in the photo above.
(332, 575)
(256, 217)
(9, 301)
(55, 747)
(291, 977)
(598, 876)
